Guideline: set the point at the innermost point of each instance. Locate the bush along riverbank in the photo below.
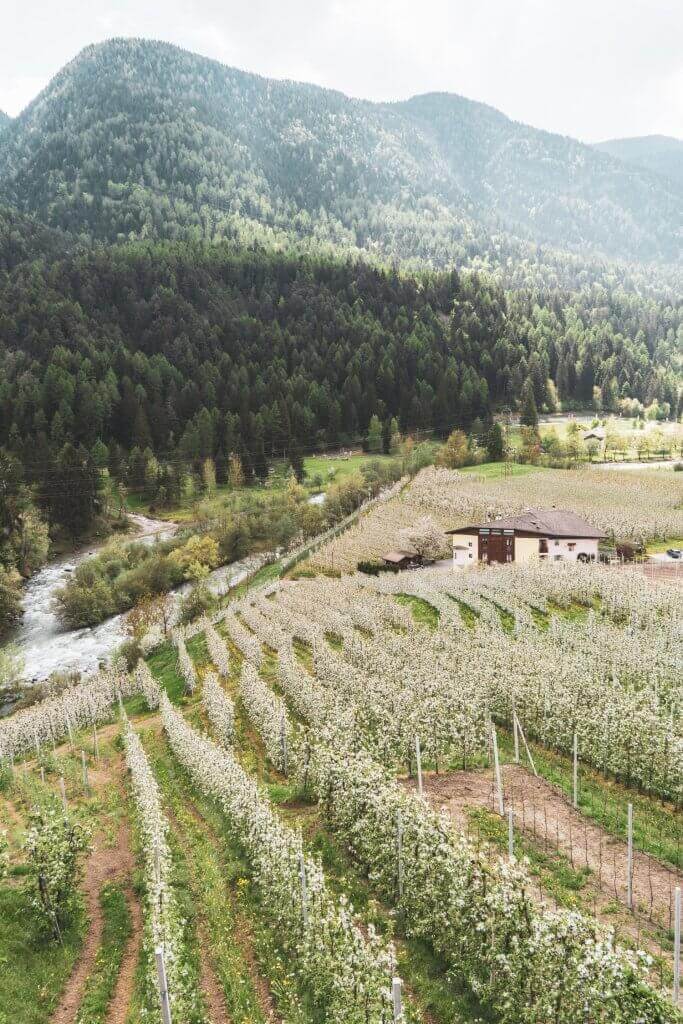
(124, 574)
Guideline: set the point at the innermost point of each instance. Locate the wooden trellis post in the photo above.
(511, 834)
(62, 790)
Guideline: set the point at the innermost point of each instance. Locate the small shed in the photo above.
(402, 559)
(595, 434)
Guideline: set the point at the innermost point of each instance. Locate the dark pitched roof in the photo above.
(541, 522)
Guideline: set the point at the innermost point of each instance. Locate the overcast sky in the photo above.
(593, 69)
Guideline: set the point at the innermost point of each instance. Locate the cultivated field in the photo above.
(639, 506)
(255, 812)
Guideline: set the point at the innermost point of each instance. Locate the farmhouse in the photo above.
(553, 535)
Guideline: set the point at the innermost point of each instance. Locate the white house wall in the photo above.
(470, 554)
(526, 549)
(562, 548)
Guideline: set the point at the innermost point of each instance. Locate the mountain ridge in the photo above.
(660, 154)
(135, 139)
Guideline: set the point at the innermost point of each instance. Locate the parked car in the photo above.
(674, 553)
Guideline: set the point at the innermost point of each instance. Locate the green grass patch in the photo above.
(304, 653)
(33, 969)
(266, 574)
(491, 470)
(198, 651)
(335, 641)
(424, 614)
(541, 618)
(659, 546)
(163, 664)
(116, 932)
(467, 613)
(573, 612)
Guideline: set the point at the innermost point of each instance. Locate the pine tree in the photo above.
(495, 443)
(529, 413)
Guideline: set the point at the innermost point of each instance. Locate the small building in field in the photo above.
(551, 535)
(403, 559)
(595, 434)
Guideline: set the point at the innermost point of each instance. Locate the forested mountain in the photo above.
(23, 239)
(4, 119)
(139, 139)
(659, 153)
(195, 350)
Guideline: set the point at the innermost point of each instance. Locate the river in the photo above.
(45, 645)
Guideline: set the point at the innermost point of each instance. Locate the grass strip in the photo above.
(116, 932)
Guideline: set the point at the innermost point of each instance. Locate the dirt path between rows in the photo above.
(542, 811)
(105, 864)
(243, 933)
(125, 983)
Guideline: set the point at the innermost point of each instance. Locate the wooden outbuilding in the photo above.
(403, 559)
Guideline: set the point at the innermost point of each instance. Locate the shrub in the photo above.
(53, 846)
(375, 568)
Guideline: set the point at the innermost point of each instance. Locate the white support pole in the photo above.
(629, 862)
(42, 774)
(496, 765)
(396, 999)
(304, 890)
(418, 761)
(399, 850)
(96, 742)
(526, 747)
(283, 742)
(62, 790)
(575, 776)
(70, 732)
(163, 985)
(515, 732)
(84, 764)
(677, 945)
(35, 739)
(511, 835)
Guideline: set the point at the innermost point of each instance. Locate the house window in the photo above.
(557, 543)
(543, 546)
(572, 545)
